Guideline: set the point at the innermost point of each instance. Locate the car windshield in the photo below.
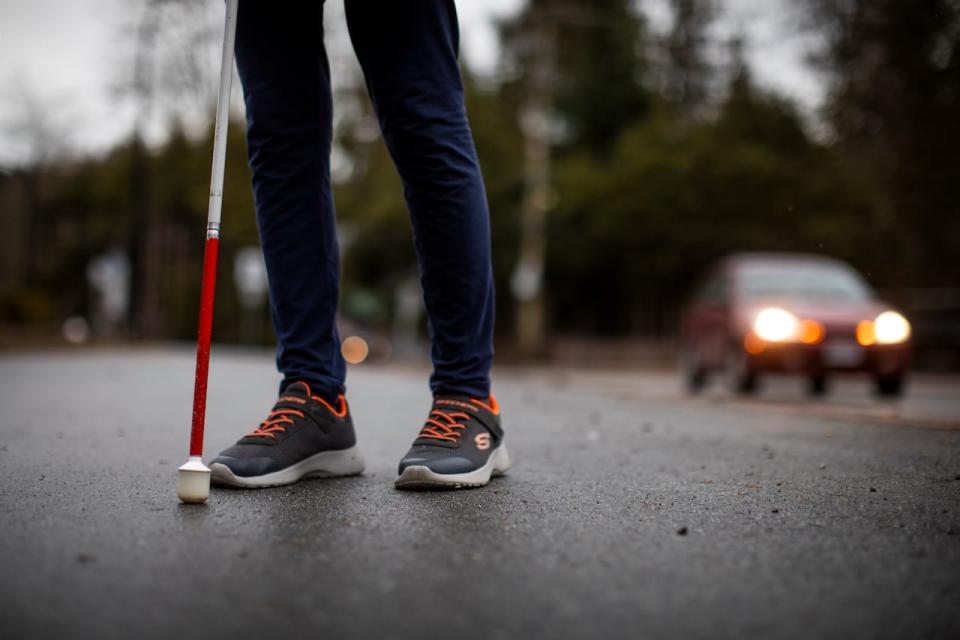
(821, 282)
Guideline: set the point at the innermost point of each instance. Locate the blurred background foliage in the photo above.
(664, 155)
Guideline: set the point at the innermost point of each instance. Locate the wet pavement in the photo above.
(629, 513)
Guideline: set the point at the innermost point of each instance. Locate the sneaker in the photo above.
(304, 436)
(460, 445)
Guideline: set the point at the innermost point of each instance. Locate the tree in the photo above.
(40, 132)
(594, 68)
(894, 73)
(175, 45)
(629, 236)
(688, 65)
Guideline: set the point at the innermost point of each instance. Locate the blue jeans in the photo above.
(408, 52)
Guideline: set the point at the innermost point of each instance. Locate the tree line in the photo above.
(662, 154)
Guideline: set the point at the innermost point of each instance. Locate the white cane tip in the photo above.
(193, 482)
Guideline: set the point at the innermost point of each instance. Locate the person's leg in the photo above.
(286, 87)
(408, 52)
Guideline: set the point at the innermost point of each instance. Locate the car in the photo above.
(778, 312)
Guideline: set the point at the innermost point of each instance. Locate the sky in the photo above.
(66, 56)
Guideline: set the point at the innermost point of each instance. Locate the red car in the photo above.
(808, 314)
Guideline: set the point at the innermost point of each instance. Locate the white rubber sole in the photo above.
(326, 464)
(421, 477)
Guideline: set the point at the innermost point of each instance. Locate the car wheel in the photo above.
(692, 369)
(740, 377)
(889, 386)
(817, 385)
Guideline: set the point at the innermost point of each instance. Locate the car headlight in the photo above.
(890, 328)
(775, 325)
(887, 328)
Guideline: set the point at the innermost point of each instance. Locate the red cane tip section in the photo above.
(203, 345)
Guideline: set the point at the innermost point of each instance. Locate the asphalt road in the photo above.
(626, 514)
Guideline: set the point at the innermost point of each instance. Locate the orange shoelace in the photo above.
(276, 422)
(443, 425)
(278, 419)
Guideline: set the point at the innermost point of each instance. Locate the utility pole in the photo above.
(526, 283)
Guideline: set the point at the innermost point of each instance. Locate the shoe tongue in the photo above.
(297, 394)
(454, 401)
(300, 389)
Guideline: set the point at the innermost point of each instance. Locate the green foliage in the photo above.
(628, 235)
(647, 193)
(585, 56)
(893, 107)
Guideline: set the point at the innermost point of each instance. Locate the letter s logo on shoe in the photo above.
(483, 441)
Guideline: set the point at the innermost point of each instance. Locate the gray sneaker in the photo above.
(303, 437)
(460, 445)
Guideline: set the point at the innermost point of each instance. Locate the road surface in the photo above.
(628, 514)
